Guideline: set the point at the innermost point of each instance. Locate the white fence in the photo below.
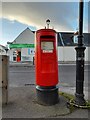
(69, 54)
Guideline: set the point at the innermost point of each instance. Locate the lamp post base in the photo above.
(79, 100)
(47, 95)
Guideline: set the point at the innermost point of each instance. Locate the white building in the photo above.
(3, 50)
(22, 48)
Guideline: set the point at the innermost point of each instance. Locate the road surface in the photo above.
(22, 76)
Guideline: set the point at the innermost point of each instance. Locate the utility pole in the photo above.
(79, 95)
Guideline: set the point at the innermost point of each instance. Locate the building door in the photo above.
(18, 56)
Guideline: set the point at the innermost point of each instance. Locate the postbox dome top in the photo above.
(46, 30)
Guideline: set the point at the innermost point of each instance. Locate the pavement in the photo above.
(18, 64)
(22, 103)
(28, 63)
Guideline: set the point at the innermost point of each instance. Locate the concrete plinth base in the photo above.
(47, 95)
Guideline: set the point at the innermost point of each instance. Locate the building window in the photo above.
(31, 51)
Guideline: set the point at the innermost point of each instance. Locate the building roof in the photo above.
(67, 39)
(87, 39)
(3, 50)
(25, 37)
(64, 38)
(3, 47)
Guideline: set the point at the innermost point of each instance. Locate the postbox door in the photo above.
(47, 56)
(49, 73)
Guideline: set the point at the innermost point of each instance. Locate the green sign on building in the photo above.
(21, 46)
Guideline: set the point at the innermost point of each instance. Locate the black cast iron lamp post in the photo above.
(79, 95)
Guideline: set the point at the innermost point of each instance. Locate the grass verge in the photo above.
(72, 106)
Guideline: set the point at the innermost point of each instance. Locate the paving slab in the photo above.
(23, 104)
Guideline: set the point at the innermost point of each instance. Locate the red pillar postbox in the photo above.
(46, 66)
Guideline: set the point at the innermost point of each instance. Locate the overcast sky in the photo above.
(17, 16)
